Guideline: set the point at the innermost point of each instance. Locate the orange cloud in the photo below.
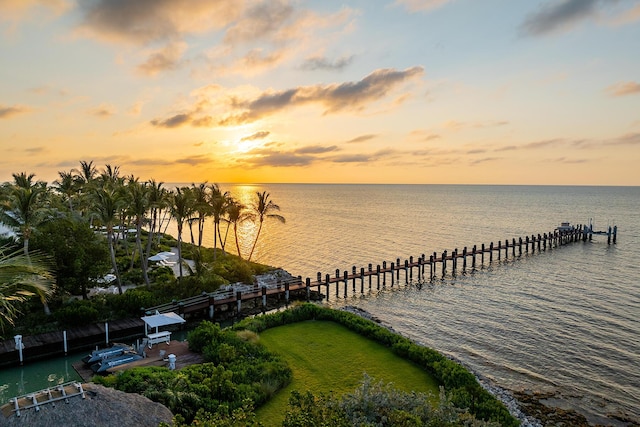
(624, 88)
(13, 110)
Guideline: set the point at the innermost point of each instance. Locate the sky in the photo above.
(365, 91)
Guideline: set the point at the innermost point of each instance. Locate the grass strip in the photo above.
(326, 357)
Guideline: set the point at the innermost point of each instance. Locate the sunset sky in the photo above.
(368, 91)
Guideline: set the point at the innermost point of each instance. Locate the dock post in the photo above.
(286, 294)
(431, 265)
(408, 270)
(307, 286)
(64, 340)
(423, 262)
(499, 249)
(526, 244)
(19, 347)
(544, 241)
(378, 276)
(444, 263)
(533, 244)
(239, 301)
(454, 261)
(398, 270)
(212, 307)
(328, 283)
(615, 233)
(513, 247)
(473, 257)
(346, 282)
(464, 259)
(338, 283)
(506, 248)
(539, 241)
(263, 290)
(353, 275)
(392, 276)
(520, 246)
(106, 332)
(384, 274)
(362, 280)
(370, 274)
(491, 252)
(609, 235)
(482, 258)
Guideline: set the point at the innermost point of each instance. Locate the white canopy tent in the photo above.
(161, 319)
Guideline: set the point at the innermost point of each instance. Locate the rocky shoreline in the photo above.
(526, 406)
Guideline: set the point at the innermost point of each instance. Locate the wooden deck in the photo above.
(184, 357)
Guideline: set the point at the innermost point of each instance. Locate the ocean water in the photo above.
(564, 321)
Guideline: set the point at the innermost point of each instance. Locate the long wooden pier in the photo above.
(422, 268)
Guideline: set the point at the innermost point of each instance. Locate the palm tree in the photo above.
(219, 203)
(106, 206)
(138, 205)
(21, 277)
(22, 207)
(263, 208)
(67, 186)
(157, 201)
(237, 214)
(181, 207)
(201, 206)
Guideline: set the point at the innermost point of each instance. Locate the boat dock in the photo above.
(50, 395)
(422, 268)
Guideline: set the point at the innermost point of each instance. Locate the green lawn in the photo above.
(327, 357)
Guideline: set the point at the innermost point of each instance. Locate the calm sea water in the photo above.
(563, 321)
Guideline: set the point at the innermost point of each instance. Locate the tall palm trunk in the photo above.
(114, 264)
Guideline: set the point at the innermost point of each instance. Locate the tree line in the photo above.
(85, 202)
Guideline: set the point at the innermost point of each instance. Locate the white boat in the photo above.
(102, 366)
(104, 353)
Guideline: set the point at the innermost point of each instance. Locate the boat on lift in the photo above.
(102, 366)
(105, 353)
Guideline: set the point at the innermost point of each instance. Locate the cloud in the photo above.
(420, 5)
(362, 138)
(261, 20)
(174, 121)
(13, 110)
(258, 135)
(36, 150)
(353, 96)
(103, 111)
(559, 15)
(323, 63)
(484, 160)
(164, 59)
(627, 17)
(19, 10)
(624, 88)
(316, 149)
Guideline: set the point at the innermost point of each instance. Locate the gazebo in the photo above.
(156, 321)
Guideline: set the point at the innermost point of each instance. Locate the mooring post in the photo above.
(346, 282)
(520, 246)
(378, 276)
(454, 261)
(499, 249)
(307, 285)
(362, 280)
(338, 283)
(353, 275)
(506, 248)
(464, 259)
(370, 274)
(431, 262)
(482, 258)
(473, 257)
(406, 270)
(263, 290)
(384, 274)
(423, 262)
(615, 233)
(328, 279)
(392, 276)
(533, 244)
(513, 247)
(539, 241)
(286, 293)
(444, 263)
(398, 270)
(490, 252)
